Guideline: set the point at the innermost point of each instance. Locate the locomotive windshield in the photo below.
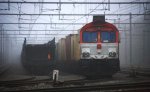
(108, 37)
(90, 36)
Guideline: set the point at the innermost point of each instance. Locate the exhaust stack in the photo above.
(97, 19)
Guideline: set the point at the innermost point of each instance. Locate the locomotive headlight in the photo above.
(112, 52)
(85, 52)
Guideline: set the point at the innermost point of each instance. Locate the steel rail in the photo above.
(60, 87)
(120, 86)
(23, 82)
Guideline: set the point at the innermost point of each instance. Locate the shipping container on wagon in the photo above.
(61, 49)
(58, 50)
(38, 52)
(75, 47)
(68, 49)
(38, 58)
(68, 45)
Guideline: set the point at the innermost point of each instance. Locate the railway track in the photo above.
(47, 81)
(136, 72)
(78, 85)
(23, 83)
(126, 87)
(117, 87)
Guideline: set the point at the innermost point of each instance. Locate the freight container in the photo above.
(38, 58)
(75, 47)
(68, 45)
(61, 47)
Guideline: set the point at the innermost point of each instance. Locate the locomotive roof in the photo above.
(105, 24)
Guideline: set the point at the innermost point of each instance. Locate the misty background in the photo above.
(134, 44)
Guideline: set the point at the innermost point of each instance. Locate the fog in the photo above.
(139, 47)
(12, 36)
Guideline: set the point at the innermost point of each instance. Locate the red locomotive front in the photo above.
(99, 41)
